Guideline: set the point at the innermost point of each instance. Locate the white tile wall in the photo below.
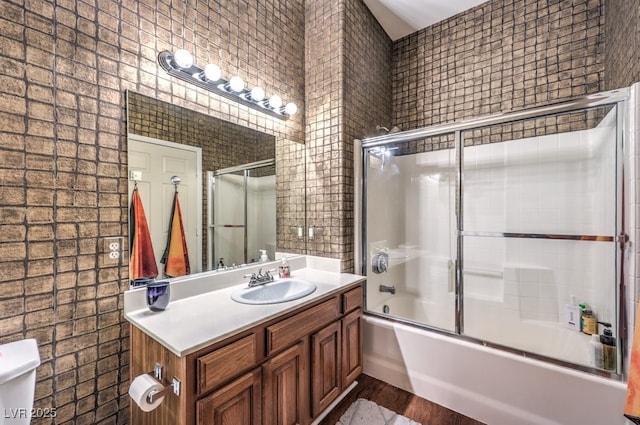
(563, 184)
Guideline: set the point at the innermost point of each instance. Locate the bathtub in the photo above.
(487, 384)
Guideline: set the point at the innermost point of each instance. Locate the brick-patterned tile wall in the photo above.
(348, 93)
(323, 118)
(503, 55)
(622, 53)
(64, 69)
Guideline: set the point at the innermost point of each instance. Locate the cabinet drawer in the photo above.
(223, 364)
(352, 299)
(288, 331)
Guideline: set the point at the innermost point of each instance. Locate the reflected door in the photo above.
(152, 163)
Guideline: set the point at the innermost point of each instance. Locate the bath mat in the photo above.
(366, 412)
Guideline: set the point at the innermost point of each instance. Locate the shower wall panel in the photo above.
(562, 184)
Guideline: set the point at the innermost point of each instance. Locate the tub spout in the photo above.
(390, 289)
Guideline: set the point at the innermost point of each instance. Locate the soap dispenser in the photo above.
(284, 270)
(263, 256)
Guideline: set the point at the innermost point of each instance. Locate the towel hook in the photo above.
(175, 180)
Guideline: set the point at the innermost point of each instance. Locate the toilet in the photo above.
(18, 363)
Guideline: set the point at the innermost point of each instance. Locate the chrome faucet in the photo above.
(390, 289)
(260, 279)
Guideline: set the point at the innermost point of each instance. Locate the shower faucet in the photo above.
(390, 289)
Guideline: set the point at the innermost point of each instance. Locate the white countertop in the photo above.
(194, 322)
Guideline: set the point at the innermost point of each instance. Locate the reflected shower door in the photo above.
(229, 219)
(411, 231)
(261, 212)
(242, 214)
(539, 231)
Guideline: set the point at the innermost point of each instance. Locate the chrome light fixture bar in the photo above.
(181, 65)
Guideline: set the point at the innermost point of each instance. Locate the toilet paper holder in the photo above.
(173, 387)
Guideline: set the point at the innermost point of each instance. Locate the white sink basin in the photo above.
(280, 291)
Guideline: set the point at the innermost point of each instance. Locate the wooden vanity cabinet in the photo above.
(336, 356)
(239, 402)
(285, 371)
(325, 364)
(285, 383)
(351, 361)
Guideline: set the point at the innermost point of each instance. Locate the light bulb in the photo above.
(183, 58)
(236, 84)
(212, 72)
(275, 101)
(257, 94)
(290, 108)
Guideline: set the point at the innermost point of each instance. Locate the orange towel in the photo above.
(632, 406)
(176, 257)
(142, 262)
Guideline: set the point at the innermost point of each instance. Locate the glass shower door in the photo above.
(538, 236)
(410, 231)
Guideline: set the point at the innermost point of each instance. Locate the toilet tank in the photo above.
(18, 363)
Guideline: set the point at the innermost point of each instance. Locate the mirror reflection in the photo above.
(207, 187)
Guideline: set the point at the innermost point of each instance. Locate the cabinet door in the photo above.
(286, 387)
(325, 366)
(352, 330)
(237, 403)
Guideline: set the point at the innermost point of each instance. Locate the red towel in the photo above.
(142, 262)
(176, 257)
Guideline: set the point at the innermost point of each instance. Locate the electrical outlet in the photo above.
(112, 250)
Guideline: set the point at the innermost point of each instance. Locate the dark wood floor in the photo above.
(400, 401)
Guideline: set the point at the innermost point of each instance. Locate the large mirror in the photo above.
(224, 176)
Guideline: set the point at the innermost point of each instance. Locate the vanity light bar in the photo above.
(181, 65)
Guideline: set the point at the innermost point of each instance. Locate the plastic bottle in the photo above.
(283, 270)
(572, 314)
(596, 351)
(588, 320)
(263, 256)
(609, 357)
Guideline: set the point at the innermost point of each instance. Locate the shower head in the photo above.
(394, 129)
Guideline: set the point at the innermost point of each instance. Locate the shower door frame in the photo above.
(211, 225)
(618, 99)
